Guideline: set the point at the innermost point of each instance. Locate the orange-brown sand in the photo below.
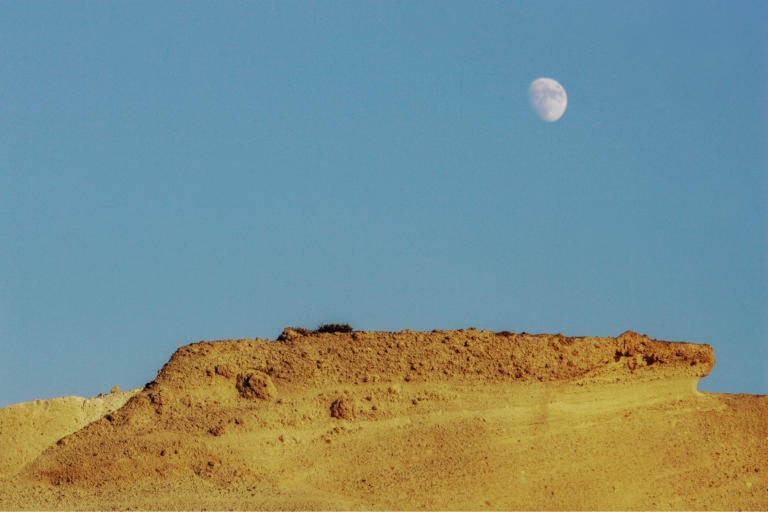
(411, 420)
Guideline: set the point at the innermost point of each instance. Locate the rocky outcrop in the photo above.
(407, 356)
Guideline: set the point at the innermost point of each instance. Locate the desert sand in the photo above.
(27, 429)
(463, 419)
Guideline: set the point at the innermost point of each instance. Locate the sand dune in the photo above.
(410, 420)
(29, 428)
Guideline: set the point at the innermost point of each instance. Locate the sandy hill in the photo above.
(411, 420)
(29, 428)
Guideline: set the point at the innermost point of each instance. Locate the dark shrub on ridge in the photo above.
(334, 328)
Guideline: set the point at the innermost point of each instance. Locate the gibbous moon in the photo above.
(548, 99)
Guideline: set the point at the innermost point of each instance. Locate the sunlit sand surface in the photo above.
(412, 420)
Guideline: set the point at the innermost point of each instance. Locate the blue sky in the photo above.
(179, 171)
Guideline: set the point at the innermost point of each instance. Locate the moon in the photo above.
(548, 99)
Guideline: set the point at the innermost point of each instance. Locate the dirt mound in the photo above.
(468, 355)
(29, 428)
(443, 419)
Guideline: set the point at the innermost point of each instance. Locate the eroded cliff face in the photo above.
(466, 355)
(441, 419)
(205, 379)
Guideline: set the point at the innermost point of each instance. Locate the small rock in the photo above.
(223, 370)
(343, 409)
(256, 385)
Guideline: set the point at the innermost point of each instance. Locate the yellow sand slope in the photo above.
(29, 428)
(440, 420)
